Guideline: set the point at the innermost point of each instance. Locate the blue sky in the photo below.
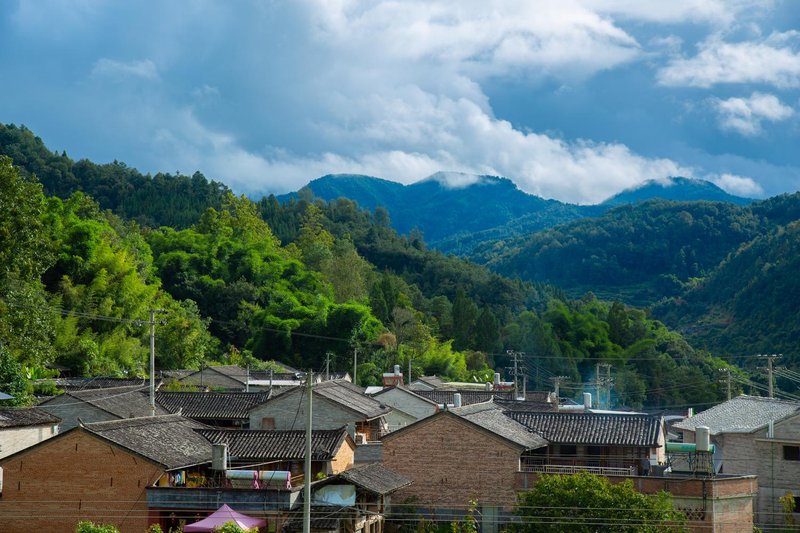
(572, 99)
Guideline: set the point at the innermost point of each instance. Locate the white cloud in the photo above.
(738, 185)
(719, 12)
(121, 70)
(745, 115)
(773, 61)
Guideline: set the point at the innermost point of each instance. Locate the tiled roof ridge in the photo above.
(137, 421)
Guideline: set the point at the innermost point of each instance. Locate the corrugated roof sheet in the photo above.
(492, 418)
(743, 414)
(211, 405)
(275, 445)
(29, 416)
(591, 428)
(170, 440)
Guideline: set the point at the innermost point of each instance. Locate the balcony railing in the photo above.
(574, 469)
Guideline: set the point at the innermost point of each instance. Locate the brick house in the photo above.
(24, 427)
(96, 472)
(459, 455)
(336, 403)
(740, 430)
(100, 405)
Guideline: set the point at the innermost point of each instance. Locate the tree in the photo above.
(85, 526)
(587, 503)
(12, 379)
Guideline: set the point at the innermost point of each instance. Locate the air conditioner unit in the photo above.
(361, 438)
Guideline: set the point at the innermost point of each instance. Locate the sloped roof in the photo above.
(406, 390)
(743, 414)
(468, 397)
(124, 402)
(22, 417)
(285, 445)
(592, 428)
(431, 381)
(492, 418)
(525, 405)
(98, 382)
(374, 477)
(211, 405)
(234, 372)
(351, 396)
(170, 440)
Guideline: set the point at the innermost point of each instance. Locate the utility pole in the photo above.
(557, 385)
(153, 359)
(770, 358)
(355, 366)
(328, 366)
(516, 370)
(727, 372)
(409, 371)
(606, 383)
(307, 466)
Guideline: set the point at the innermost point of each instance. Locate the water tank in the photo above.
(587, 400)
(496, 379)
(703, 439)
(456, 399)
(219, 456)
(396, 370)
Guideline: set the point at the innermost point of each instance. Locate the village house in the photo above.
(98, 405)
(218, 409)
(759, 436)
(485, 453)
(24, 427)
(407, 406)
(336, 403)
(355, 500)
(97, 472)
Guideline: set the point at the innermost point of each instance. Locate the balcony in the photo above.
(205, 498)
(574, 469)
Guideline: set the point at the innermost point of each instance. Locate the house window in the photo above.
(791, 453)
(268, 422)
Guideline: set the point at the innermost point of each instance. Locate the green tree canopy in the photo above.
(587, 503)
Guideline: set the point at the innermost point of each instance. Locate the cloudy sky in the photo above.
(572, 99)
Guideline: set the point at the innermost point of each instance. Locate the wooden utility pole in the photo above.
(770, 358)
(727, 372)
(307, 469)
(153, 359)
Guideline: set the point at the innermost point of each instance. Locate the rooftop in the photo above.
(124, 402)
(743, 414)
(211, 405)
(285, 445)
(352, 397)
(22, 417)
(374, 477)
(98, 382)
(592, 428)
(169, 440)
(468, 397)
(491, 417)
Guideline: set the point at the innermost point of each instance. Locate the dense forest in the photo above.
(247, 282)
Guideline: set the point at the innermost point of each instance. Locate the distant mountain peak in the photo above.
(462, 180)
(675, 188)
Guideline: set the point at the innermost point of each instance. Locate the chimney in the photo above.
(587, 400)
(457, 399)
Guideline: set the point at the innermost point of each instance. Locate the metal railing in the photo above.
(574, 469)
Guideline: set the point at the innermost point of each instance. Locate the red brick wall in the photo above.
(451, 462)
(75, 477)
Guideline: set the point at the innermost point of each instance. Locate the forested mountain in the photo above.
(152, 201)
(255, 281)
(637, 253)
(677, 189)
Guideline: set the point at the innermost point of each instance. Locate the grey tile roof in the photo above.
(525, 405)
(124, 402)
(431, 381)
(592, 428)
(374, 477)
(283, 445)
(21, 417)
(99, 382)
(491, 417)
(170, 440)
(743, 414)
(351, 396)
(211, 405)
(234, 372)
(468, 397)
(405, 389)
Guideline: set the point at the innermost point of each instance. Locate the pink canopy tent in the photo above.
(222, 515)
